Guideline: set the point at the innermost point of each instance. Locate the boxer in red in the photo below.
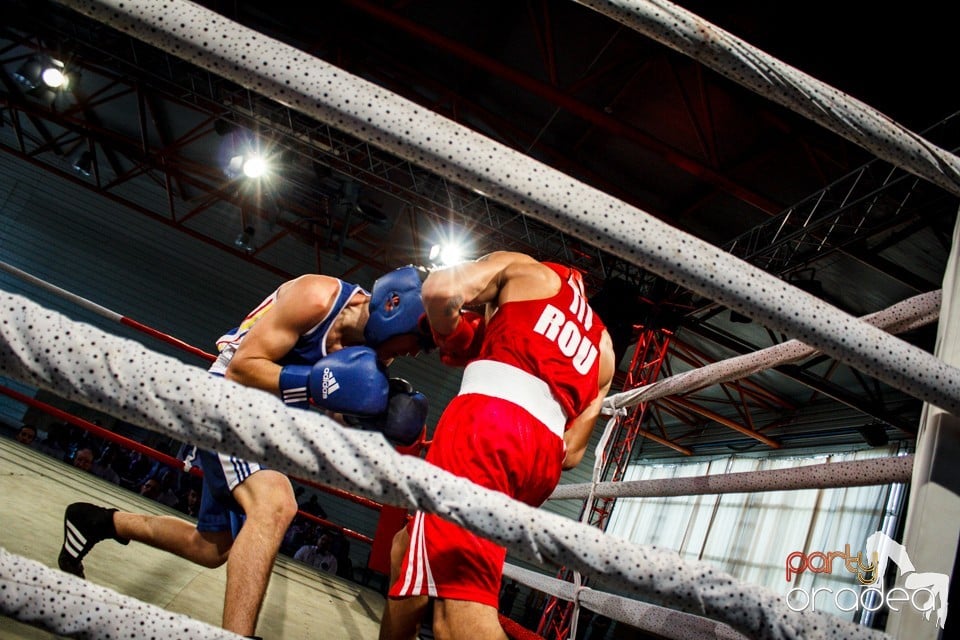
(538, 364)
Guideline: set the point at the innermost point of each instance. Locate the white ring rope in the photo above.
(683, 31)
(664, 622)
(904, 316)
(829, 475)
(38, 595)
(120, 377)
(316, 88)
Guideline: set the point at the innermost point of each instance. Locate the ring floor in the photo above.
(301, 603)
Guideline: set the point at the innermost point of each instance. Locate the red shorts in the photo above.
(498, 445)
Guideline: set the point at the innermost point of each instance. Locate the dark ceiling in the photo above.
(588, 96)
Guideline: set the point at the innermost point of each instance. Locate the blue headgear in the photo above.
(395, 306)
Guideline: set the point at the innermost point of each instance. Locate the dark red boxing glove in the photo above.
(457, 349)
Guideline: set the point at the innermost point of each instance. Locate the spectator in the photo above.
(168, 480)
(150, 488)
(319, 555)
(190, 502)
(312, 506)
(27, 434)
(112, 457)
(299, 531)
(133, 475)
(84, 459)
(58, 443)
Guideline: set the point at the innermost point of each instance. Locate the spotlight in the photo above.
(241, 155)
(446, 255)
(249, 164)
(84, 164)
(254, 166)
(55, 75)
(37, 71)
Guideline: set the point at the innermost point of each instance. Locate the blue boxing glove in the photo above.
(350, 380)
(404, 419)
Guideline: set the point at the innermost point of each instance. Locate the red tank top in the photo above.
(556, 339)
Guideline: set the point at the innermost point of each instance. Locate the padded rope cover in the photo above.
(314, 87)
(677, 28)
(121, 377)
(664, 622)
(904, 316)
(854, 473)
(71, 606)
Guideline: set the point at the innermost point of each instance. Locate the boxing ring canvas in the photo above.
(395, 125)
(35, 489)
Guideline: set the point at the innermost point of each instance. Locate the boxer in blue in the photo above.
(318, 341)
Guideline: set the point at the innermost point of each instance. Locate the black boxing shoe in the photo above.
(84, 525)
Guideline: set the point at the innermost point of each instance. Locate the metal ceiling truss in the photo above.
(871, 200)
(563, 99)
(430, 195)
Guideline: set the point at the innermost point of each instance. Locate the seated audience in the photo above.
(319, 555)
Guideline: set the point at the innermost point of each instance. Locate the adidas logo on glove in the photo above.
(358, 368)
(328, 384)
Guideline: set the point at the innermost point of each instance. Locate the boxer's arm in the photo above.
(470, 284)
(577, 436)
(497, 277)
(301, 303)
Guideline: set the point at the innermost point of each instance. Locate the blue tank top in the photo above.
(310, 347)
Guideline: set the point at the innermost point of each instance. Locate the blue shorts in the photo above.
(221, 474)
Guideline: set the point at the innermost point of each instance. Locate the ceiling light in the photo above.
(55, 77)
(242, 155)
(248, 164)
(445, 255)
(49, 72)
(254, 166)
